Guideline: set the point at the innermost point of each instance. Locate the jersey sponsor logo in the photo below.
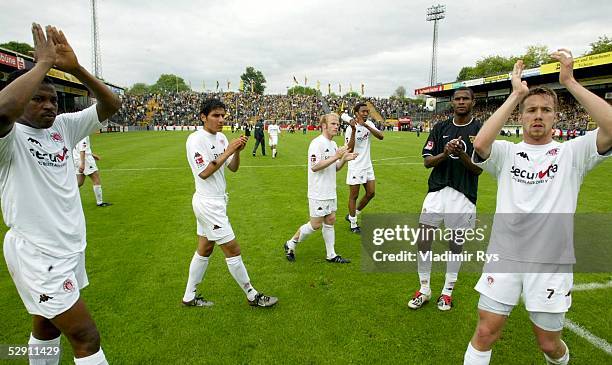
(363, 138)
(44, 298)
(50, 159)
(529, 177)
(429, 145)
(199, 160)
(523, 155)
(553, 152)
(68, 286)
(33, 141)
(56, 137)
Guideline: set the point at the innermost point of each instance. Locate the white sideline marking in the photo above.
(600, 343)
(186, 168)
(592, 286)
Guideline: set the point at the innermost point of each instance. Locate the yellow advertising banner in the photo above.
(63, 76)
(580, 62)
(496, 78)
(447, 86)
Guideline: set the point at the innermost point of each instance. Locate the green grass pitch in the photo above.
(139, 251)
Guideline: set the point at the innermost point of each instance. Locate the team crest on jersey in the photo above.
(56, 137)
(68, 286)
(553, 152)
(429, 145)
(472, 138)
(199, 160)
(313, 158)
(490, 280)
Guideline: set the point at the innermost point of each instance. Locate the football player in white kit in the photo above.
(360, 170)
(208, 153)
(537, 175)
(85, 165)
(44, 247)
(324, 160)
(273, 132)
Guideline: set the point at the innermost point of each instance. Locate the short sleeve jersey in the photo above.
(321, 184)
(363, 139)
(40, 198)
(202, 148)
(273, 130)
(544, 180)
(451, 172)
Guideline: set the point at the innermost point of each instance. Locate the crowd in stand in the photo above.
(183, 109)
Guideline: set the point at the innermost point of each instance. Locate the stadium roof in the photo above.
(597, 68)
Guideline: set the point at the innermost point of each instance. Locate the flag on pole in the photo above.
(203, 85)
(318, 85)
(362, 89)
(241, 85)
(217, 85)
(228, 85)
(351, 87)
(340, 89)
(295, 80)
(305, 81)
(252, 87)
(328, 88)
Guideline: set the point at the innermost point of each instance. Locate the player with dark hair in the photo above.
(45, 245)
(208, 153)
(360, 171)
(451, 196)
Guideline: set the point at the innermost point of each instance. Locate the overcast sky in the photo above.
(383, 43)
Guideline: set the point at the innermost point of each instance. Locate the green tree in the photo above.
(603, 44)
(400, 92)
(18, 47)
(253, 80)
(169, 83)
(536, 56)
(303, 90)
(352, 94)
(138, 88)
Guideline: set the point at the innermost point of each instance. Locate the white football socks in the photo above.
(353, 220)
(239, 273)
(96, 359)
(47, 359)
(197, 269)
(98, 193)
(424, 271)
(563, 360)
(475, 357)
(452, 272)
(329, 236)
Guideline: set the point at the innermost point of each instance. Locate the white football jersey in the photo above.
(274, 130)
(83, 145)
(537, 193)
(321, 184)
(40, 198)
(202, 148)
(362, 146)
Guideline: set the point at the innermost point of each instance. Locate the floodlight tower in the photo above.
(434, 14)
(96, 56)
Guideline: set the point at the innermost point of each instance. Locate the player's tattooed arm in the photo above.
(598, 108)
(490, 130)
(15, 96)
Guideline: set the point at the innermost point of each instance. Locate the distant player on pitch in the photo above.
(360, 170)
(451, 196)
(208, 153)
(273, 133)
(324, 159)
(85, 165)
(538, 183)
